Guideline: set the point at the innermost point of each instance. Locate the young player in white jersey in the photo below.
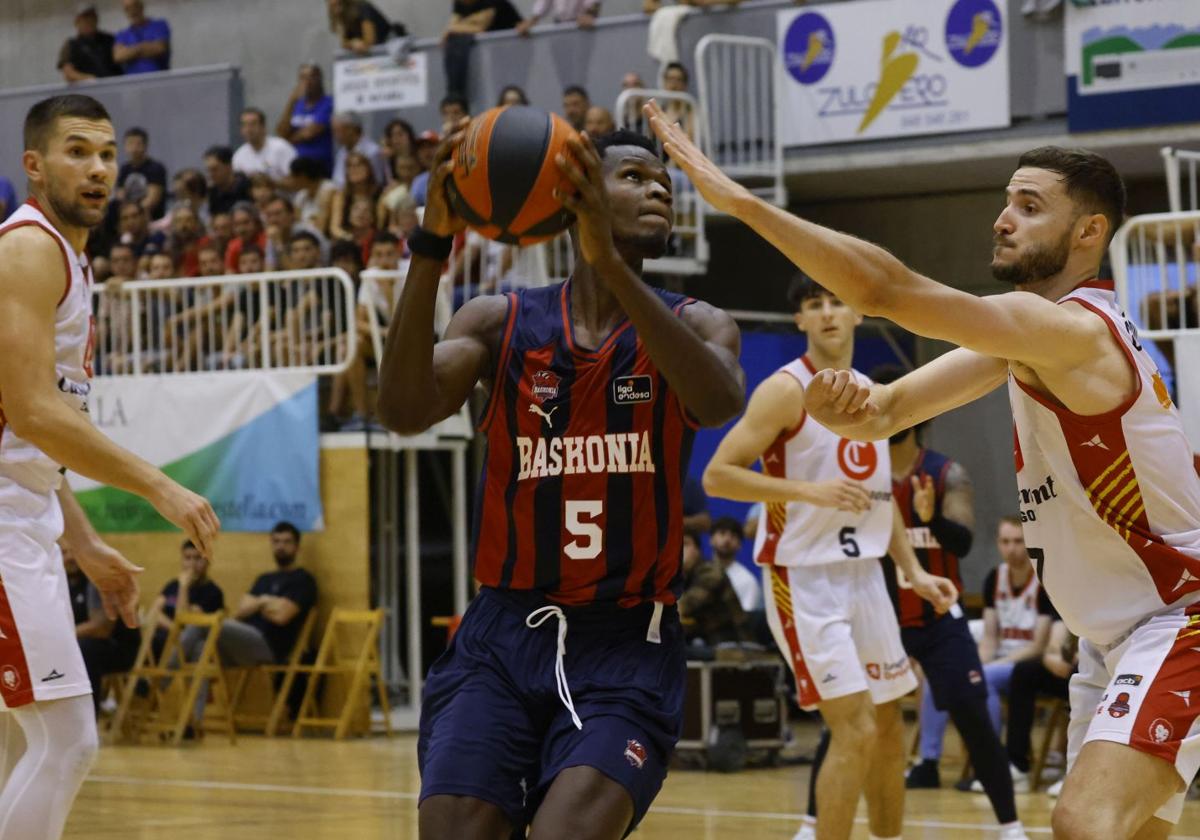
(1110, 501)
(829, 517)
(46, 335)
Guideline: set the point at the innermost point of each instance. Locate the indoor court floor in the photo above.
(287, 789)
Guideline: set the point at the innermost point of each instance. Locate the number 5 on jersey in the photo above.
(580, 519)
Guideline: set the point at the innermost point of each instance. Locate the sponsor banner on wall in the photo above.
(378, 83)
(1132, 63)
(892, 68)
(247, 442)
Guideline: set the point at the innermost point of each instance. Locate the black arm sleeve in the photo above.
(954, 538)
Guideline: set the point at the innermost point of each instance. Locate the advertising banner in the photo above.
(378, 83)
(892, 68)
(247, 442)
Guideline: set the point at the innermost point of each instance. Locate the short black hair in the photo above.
(194, 181)
(455, 99)
(221, 153)
(728, 523)
(579, 89)
(285, 527)
(257, 112)
(138, 131)
(803, 288)
(344, 249)
(1090, 180)
(675, 65)
(307, 167)
(40, 120)
(520, 92)
(251, 248)
(304, 236)
(623, 137)
(385, 237)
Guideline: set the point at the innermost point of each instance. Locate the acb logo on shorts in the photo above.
(857, 459)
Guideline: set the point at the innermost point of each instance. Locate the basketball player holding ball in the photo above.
(46, 335)
(560, 698)
(1109, 499)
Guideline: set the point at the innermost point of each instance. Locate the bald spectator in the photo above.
(598, 121)
(575, 104)
(89, 55)
(145, 45)
(262, 152)
(349, 137)
(581, 12)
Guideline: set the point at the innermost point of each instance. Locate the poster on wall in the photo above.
(247, 442)
(892, 68)
(378, 83)
(1132, 63)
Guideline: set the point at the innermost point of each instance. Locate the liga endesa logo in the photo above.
(857, 459)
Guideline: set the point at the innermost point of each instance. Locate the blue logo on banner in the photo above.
(808, 48)
(973, 32)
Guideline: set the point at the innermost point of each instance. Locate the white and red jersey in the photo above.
(1110, 503)
(1017, 612)
(801, 534)
(20, 461)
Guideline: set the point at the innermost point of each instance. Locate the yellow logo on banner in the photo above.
(894, 72)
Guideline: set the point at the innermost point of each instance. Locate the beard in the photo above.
(283, 560)
(72, 213)
(1037, 263)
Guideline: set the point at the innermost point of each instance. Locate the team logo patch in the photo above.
(857, 459)
(628, 390)
(1119, 707)
(974, 677)
(1161, 731)
(1128, 679)
(635, 753)
(873, 670)
(10, 677)
(545, 385)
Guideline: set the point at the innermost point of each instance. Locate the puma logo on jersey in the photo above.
(1185, 696)
(1186, 577)
(1096, 442)
(534, 408)
(624, 452)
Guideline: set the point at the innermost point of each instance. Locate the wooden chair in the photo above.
(270, 722)
(350, 649)
(124, 685)
(1058, 715)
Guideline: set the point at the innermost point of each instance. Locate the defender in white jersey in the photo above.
(46, 334)
(829, 517)
(1108, 492)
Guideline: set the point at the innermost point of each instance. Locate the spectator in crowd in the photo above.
(397, 207)
(512, 95)
(161, 266)
(726, 541)
(225, 186)
(107, 645)
(247, 230)
(358, 24)
(145, 45)
(312, 193)
(191, 591)
(1050, 676)
(360, 184)
(183, 243)
(220, 233)
(349, 137)
(361, 224)
(261, 152)
(304, 251)
(267, 621)
(89, 55)
(305, 122)
(8, 198)
(581, 12)
(251, 260)
(210, 261)
(598, 121)
(696, 517)
(133, 226)
(122, 265)
(282, 226)
(189, 189)
(633, 108)
(453, 109)
(427, 144)
(709, 605)
(141, 178)
(398, 139)
(262, 190)
(675, 79)
(468, 18)
(575, 104)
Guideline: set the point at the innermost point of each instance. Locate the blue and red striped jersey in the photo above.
(581, 496)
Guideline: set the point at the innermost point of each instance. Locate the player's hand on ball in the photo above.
(590, 203)
(114, 577)
(840, 493)
(185, 509)
(924, 497)
(718, 189)
(837, 399)
(439, 218)
(939, 591)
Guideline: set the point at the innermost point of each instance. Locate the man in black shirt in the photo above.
(89, 54)
(225, 186)
(141, 178)
(192, 590)
(108, 646)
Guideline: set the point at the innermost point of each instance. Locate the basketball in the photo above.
(505, 176)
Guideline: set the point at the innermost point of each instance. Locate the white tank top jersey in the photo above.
(74, 327)
(1110, 503)
(1016, 612)
(800, 534)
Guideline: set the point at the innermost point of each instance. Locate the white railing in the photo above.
(740, 109)
(298, 320)
(1182, 168)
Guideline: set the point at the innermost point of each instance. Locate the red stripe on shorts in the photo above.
(1169, 708)
(781, 595)
(16, 687)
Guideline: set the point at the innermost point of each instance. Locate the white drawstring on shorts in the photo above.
(536, 619)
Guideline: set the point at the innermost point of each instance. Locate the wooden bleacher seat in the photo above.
(1058, 713)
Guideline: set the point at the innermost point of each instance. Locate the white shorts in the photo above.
(39, 655)
(835, 625)
(1143, 691)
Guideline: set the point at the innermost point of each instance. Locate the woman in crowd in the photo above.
(360, 184)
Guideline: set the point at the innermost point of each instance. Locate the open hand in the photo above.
(440, 219)
(590, 204)
(115, 578)
(718, 189)
(924, 497)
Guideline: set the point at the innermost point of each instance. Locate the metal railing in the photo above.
(740, 111)
(1182, 168)
(298, 320)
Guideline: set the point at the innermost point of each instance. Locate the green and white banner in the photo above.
(247, 441)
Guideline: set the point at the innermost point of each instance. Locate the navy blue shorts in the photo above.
(493, 726)
(948, 656)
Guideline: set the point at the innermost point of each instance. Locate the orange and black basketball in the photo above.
(505, 175)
